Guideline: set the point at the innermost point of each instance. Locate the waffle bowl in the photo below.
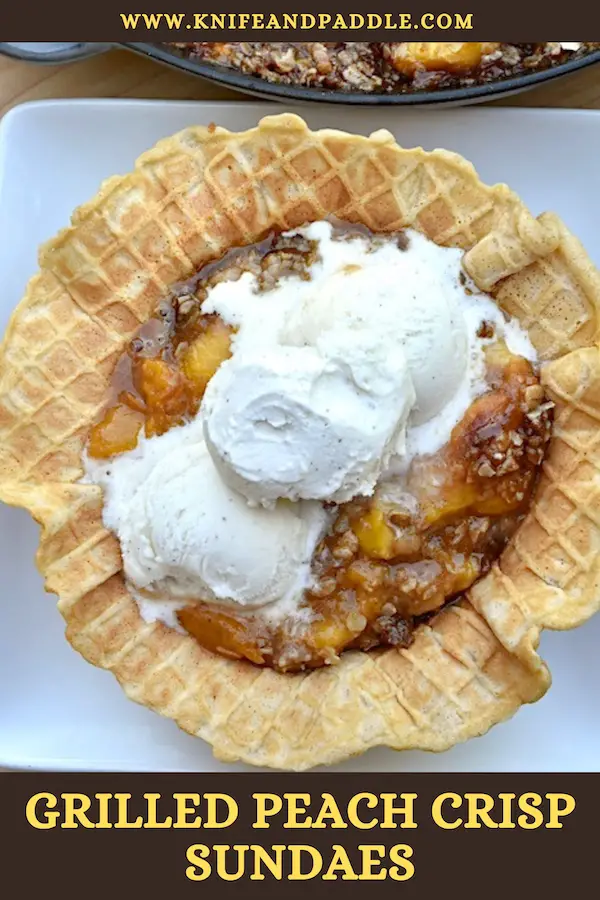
(189, 199)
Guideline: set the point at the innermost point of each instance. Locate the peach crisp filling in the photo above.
(386, 561)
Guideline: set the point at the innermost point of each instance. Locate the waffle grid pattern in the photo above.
(557, 307)
(553, 561)
(188, 200)
(244, 711)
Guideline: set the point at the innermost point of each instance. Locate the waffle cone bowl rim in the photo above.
(475, 663)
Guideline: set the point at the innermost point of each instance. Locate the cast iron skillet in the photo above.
(250, 84)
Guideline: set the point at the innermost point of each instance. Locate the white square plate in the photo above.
(58, 712)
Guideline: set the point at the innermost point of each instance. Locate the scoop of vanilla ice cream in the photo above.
(185, 534)
(327, 373)
(404, 305)
(300, 425)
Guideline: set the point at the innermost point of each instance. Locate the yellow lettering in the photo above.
(212, 820)
(464, 23)
(425, 19)
(340, 862)
(130, 20)
(221, 854)
(196, 854)
(174, 20)
(406, 810)
(437, 812)
(405, 20)
(294, 809)
(404, 869)
(262, 810)
(324, 20)
(49, 818)
(151, 818)
(353, 818)
(330, 811)
(152, 20)
(374, 21)
(103, 819)
(296, 851)
(123, 809)
(368, 862)
(528, 804)
(76, 806)
(557, 811)
(261, 855)
(507, 800)
(183, 811)
(480, 814)
(444, 22)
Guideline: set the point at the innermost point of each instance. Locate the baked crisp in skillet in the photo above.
(397, 67)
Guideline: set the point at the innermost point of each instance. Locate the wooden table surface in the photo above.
(121, 73)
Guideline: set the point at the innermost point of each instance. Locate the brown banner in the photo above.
(166, 20)
(296, 835)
